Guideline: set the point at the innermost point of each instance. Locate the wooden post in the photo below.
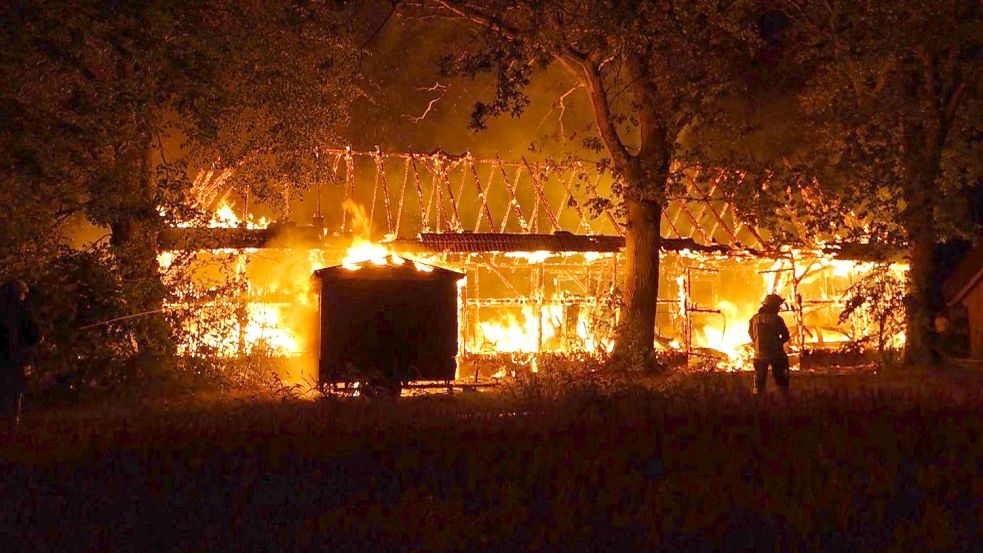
(797, 298)
(475, 328)
(245, 208)
(539, 292)
(687, 316)
(614, 286)
(286, 201)
(462, 316)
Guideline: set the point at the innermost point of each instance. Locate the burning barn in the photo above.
(542, 271)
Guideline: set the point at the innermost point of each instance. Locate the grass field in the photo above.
(850, 462)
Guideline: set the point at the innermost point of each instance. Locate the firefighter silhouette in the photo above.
(19, 335)
(769, 335)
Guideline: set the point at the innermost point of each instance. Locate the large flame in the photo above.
(813, 322)
(729, 335)
(225, 217)
(276, 327)
(363, 250)
(538, 328)
(524, 333)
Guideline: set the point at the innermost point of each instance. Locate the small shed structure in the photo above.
(388, 323)
(964, 288)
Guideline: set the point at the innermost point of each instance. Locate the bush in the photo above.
(72, 296)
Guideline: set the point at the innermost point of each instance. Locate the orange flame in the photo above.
(528, 328)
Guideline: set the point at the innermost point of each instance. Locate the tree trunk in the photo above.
(919, 219)
(645, 174)
(634, 346)
(919, 301)
(925, 154)
(135, 239)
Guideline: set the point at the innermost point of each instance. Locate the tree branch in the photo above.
(590, 76)
(561, 104)
(928, 69)
(954, 87)
(160, 147)
(652, 128)
(440, 89)
(392, 10)
(581, 67)
(949, 111)
(885, 72)
(475, 16)
(64, 213)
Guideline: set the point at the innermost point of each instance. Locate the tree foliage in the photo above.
(100, 95)
(892, 99)
(876, 303)
(893, 107)
(677, 56)
(864, 121)
(649, 70)
(111, 107)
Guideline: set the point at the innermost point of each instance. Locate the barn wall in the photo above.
(974, 304)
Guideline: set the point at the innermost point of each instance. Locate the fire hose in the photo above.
(123, 318)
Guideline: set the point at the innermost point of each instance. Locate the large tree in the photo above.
(892, 105)
(108, 105)
(649, 68)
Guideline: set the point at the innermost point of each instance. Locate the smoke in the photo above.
(358, 220)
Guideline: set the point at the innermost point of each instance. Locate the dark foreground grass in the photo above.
(846, 465)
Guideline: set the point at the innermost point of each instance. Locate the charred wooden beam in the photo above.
(855, 251)
(286, 236)
(282, 236)
(477, 242)
(507, 242)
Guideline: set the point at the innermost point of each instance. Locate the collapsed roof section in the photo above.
(437, 202)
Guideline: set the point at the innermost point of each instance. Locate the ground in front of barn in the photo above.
(851, 461)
